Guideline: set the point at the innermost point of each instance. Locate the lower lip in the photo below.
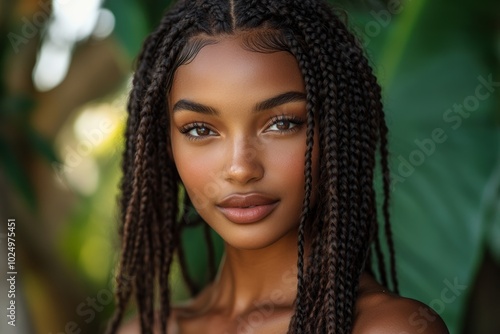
(248, 215)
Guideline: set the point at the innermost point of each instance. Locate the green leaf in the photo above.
(431, 59)
(194, 244)
(131, 24)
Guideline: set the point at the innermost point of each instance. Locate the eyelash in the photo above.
(291, 118)
(192, 126)
(298, 122)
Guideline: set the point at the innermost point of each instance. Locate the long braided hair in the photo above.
(343, 97)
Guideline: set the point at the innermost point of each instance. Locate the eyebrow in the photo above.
(193, 106)
(270, 103)
(279, 100)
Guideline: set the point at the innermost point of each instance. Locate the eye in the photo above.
(283, 124)
(197, 131)
(200, 131)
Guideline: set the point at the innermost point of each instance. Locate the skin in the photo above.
(237, 150)
(244, 151)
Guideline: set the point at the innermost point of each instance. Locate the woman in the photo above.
(267, 115)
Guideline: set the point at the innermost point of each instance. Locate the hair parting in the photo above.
(343, 105)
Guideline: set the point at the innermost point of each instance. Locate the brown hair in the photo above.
(343, 96)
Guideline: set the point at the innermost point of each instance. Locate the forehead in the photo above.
(230, 66)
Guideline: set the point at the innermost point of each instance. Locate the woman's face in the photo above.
(238, 133)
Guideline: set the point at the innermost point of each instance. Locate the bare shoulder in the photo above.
(398, 315)
(379, 311)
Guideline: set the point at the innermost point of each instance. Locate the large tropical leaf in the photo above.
(440, 78)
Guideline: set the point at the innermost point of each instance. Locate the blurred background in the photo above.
(66, 68)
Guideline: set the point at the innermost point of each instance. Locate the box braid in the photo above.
(343, 103)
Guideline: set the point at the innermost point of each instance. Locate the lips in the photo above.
(247, 208)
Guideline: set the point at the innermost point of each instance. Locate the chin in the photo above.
(249, 244)
(255, 241)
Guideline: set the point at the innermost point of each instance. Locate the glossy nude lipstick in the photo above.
(247, 208)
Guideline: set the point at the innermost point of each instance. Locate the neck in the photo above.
(249, 279)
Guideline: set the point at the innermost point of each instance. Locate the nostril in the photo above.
(243, 165)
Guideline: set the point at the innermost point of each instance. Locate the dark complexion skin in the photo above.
(238, 141)
(252, 142)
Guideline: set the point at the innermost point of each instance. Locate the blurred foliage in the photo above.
(15, 110)
(135, 20)
(445, 208)
(445, 163)
(14, 114)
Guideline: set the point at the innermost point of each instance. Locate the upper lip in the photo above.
(246, 200)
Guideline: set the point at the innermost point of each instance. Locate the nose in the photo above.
(244, 161)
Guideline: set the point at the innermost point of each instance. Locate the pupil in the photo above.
(283, 125)
(202, 131)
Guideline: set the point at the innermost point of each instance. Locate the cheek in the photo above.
(290, 164)
(286, 164)
(198, 170)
